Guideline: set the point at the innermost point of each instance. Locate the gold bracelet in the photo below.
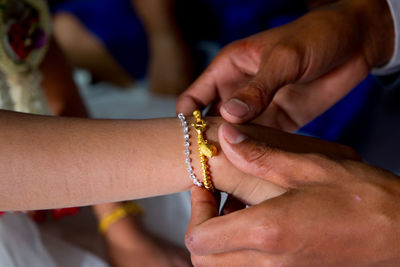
(119, 213)
(206, 150)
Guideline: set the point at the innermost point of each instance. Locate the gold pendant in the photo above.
(208, 150)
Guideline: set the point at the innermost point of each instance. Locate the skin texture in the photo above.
(337, 211)
(128, 242)
(55, 162)
(287, 76)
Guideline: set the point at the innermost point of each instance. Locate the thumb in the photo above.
(280, 66)
(203, 206)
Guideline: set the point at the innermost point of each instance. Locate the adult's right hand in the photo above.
(291, 74)
(337, 211)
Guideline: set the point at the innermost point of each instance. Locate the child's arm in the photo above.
(50, 162)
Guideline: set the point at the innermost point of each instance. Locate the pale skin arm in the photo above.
(127, 240)
(51, 162)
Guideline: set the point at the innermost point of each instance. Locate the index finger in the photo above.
(201, 93)
(218, 82)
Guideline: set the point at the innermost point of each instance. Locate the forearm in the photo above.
(53, 162)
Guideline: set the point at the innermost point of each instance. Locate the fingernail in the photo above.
(237, 108)
(233, 135)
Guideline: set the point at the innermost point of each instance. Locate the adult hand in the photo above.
(248, 188)
(337, 212)
(293, 73)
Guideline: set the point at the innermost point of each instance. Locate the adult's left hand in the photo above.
(336, 212)
(287, 76)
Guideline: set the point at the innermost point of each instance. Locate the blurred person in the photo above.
(122, 41)
(160, 40)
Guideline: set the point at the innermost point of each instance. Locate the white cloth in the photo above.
(394, 64)
(22, 244)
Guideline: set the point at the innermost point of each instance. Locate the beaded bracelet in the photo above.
(206, 150)
(187, 150)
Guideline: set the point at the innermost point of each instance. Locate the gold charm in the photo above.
(206, 150)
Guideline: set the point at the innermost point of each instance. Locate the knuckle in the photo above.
(286, 51)
(269, 238)
(291, 58)
(258, 156)
(259, 91)
(315, 159)
(319, 165)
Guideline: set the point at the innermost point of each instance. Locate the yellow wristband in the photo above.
(119, 213)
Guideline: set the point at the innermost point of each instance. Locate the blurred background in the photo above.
(132, 58)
